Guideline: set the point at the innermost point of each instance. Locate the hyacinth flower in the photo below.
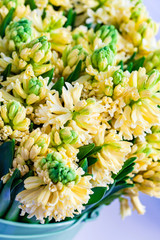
(103, 57)
(37, 53)
(110, 159)
(32, 146)
(30, 90)
(142, 151)
(152, 61)
(105, 35)
(65, 140)
(59, 191)
(101, 84)
(14, 114)
(141, 98)
(148, 181)
(71, 57)
(18, 33)
(85, 113)
(52, 19)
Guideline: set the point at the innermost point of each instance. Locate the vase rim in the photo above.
(29, 225)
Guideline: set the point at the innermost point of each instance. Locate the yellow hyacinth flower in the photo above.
(142, 151)
(32, 146)
(58, 192)
(14, 115)
(141, 98)
(148, 181)
(85, 113)
(110, 159)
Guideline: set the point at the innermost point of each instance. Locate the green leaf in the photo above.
(5, 195)
(138, 63)
(31, 3)
(6, 21)
(75, 74)
(48, 74)
(71, 16)
(121, 64)
(6, 157)
(91, 160)
(85, 150)
(94, 150)
(15, 184)
(130, 67)
(1, 185)
(59, 85)
(6, 72)
(13, 213)
(25, 219)
(31, 127)
(98, 193)
(17, 187)
(84, 165)
(128, 162)
(124, 173)
(44, 13)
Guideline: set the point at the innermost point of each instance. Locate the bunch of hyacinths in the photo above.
(79, 112)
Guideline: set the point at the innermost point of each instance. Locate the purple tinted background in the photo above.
(109, 225)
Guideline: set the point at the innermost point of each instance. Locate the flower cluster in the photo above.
(80, 99)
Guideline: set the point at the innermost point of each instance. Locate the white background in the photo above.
(109, 225)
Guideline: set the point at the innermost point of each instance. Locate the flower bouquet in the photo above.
(79, 113)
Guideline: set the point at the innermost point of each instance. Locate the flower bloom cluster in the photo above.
(66, 84)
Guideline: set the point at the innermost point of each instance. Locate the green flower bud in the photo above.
(107, 34)
(103, 57)
(117, 76)
(64, 136)
(34, 86)
(12, 109)
(19, 32)
(68, 136)
(61, 173)
(58, 171)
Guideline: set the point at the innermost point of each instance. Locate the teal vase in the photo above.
(52, 231)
